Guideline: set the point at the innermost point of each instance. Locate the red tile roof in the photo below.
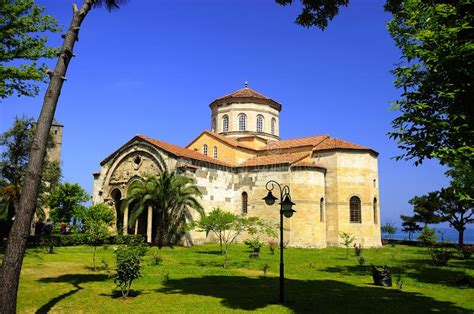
(336, 143)
(277, 159)
(296, 142)
(182, 152)
(248, 93)
(222, 138)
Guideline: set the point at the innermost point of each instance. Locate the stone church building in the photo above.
(334, 183)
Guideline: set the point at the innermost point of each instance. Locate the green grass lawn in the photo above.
(191, 279)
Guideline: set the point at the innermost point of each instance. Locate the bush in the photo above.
(128, 264)
(466, 251)
(440, 257)
(254, 245)
(427, 236)
(272, 245)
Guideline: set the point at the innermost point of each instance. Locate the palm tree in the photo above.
(170, 196)
(13, 259)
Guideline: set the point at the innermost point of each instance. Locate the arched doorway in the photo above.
(117, 198)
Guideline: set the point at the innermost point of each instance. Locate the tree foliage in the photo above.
(96, 221)
(347, 238)
(227, 226)
(16, 143)
(409, 225)
(389, 228)
(65, 201)
(171, 196)
(435, 75)
(316, 12)
(22, 46)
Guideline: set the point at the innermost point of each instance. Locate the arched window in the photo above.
(355, 210)
(245, 199)
(375, 210)
(225, 123)
(321, 209)
(204, 149)
(242, 122)
(214, 152)
(273, 124)
(259, 123)
(214, 124)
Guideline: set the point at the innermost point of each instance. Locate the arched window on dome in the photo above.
(204, 149)
(242, 122)
(355, 210)
(260, 123)
(214, 152)
(225, 123)
(273, 124)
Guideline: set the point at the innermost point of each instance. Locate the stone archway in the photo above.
(117, 201)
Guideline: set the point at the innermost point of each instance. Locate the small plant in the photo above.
(155, 258)
(389, 228)
(427, 236)
(272, 245)
(254, 244)
(347, 239)
(265, 269)
(466, 251)
(399, 282)
(357, 249)
(128, 265)
(361, 260)
(105, 265)
(440, 257)
(165, 278)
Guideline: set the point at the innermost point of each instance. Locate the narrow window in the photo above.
(242, 122)
(321, 209)
(214, 152)
(225, 123)
(204, 149)
(355, 210)
(245, 199)
(375, 210)
(273, 126)
(195, 149)
(259, 123)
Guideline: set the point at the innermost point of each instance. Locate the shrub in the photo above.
(357, 249)
(361, 260)
(427, 236)
(128, 265)
(440, 257)
(254, 244)
(466, 251)
(347, 239)
(272, 245)
(155, 258)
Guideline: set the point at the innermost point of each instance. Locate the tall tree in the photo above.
(435, 75)
(16, 143)
(409, 225)
(424, 208)
(13, 259)
(65, 200)
(170, 196)
(22, 25)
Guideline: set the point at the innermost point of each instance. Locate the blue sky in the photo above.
(154, 66)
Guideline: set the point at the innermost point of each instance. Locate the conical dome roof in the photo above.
(246, 94)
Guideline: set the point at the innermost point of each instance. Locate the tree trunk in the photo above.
(93, 258)
(461, 236)
(13, 259)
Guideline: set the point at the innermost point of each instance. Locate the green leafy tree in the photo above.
(462, 181)
(409, 225)
(96, 221)
(13, 258)
(389, 228)
(227, 226)
(15, 144)
(170, 196)
(427, 236)
(128, 264)
(435, 75)
(347, 239)
(23, 44)
(424, 208)
(66, 200)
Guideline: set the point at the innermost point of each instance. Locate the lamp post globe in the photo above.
(270, 199)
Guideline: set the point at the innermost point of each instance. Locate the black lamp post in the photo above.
(285, 210)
